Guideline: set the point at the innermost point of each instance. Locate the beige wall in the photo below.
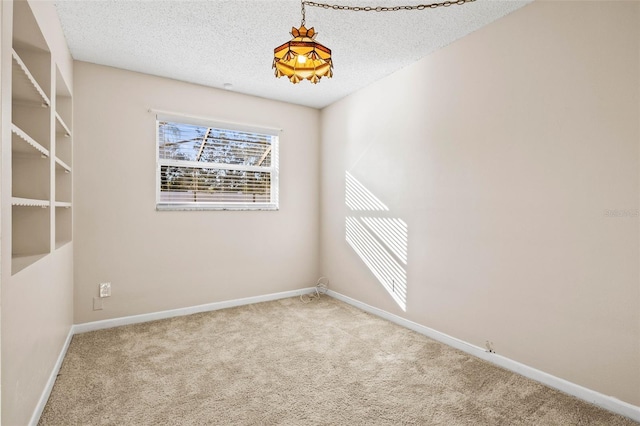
(172, 259)
(37, 314)
(503, 153)
(37, 302)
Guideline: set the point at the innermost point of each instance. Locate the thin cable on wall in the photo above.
(322, 287)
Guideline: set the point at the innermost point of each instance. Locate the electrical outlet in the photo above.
(105, 289)
(97, 304)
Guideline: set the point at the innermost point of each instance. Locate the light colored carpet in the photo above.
(289, 363)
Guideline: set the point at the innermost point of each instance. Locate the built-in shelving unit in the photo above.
(41, 146)
(36, 205)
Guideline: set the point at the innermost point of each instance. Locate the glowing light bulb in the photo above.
(302, 59)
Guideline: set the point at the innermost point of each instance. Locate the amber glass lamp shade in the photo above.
(302, 58)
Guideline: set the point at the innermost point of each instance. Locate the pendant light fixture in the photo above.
(303, 58)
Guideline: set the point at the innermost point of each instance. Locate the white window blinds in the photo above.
(202, 166)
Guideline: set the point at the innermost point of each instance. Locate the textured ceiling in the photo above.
(215, 42)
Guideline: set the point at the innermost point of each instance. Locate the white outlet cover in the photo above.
(105, 289)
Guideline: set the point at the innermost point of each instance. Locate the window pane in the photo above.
(188, 184)
(177, 141)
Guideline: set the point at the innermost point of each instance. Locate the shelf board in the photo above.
(25, 144)
(62, 243)
(61, 126)
(19, 262)
(29, 202)
(61, 164)
(26, 88)
(63, 204)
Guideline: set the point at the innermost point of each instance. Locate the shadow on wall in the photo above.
(379, 240)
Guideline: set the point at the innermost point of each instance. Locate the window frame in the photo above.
(274, 170)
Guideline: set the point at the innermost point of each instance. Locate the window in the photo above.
(215, 166)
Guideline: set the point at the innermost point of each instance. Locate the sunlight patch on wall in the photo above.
(358, 197)
(381, 242)
(385, 268)
(392, 232)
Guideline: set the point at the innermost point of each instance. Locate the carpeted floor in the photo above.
(289, 363)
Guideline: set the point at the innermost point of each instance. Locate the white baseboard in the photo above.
(604, 401)
(135, 319)
(44, 397)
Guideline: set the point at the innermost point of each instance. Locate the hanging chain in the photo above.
(302, 2)
(382, 8)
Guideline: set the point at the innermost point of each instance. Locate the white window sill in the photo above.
(215, 207)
